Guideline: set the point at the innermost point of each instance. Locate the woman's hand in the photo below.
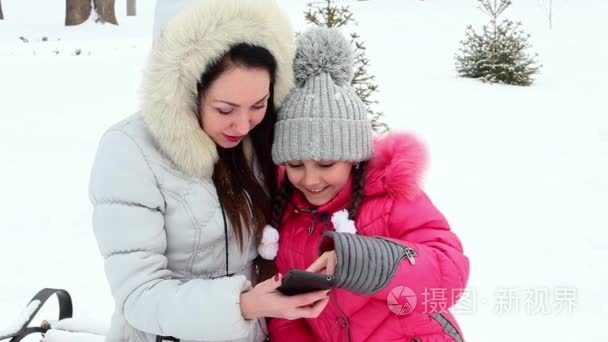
(325, 264)
(265, 301)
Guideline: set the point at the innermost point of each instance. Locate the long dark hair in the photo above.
(246, 198)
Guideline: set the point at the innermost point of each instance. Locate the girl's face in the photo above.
(319, 181)
(234, 104)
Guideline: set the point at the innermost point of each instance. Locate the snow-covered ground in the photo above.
(519, 172)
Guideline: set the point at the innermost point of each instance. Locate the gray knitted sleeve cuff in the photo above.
(365, 264)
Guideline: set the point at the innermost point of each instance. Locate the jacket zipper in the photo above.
(313, 215)
(448, 327)
(410, 254)
(311, 229)
(343, 316)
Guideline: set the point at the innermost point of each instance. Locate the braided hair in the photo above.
(280, 202)
(358, 174)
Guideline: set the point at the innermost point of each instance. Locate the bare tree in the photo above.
(547, 6)
(105, 11)
(1, 15)
(77, 11)
(131, 8)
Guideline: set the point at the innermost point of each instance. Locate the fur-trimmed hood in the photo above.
(397, 166)
(196, 37)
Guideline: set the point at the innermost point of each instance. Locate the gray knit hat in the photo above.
(322, 118)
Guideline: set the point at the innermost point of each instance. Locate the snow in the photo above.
(519, 172)
(25, 316)
(79, 325)
(64, 336)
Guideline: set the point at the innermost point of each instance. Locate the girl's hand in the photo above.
(265, 301)
(325, 264)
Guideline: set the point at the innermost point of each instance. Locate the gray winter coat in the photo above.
(157, 219)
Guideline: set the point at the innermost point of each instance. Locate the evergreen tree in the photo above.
(499, 53)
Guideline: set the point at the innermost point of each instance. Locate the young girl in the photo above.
(352, 206)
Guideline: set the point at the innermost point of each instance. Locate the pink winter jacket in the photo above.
(413, 305)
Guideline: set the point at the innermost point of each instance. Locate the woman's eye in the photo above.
(294, 166)
(224, 111)
(326, 166)
(259, 107)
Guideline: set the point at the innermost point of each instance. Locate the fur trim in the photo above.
(197, 36)
(397, 166)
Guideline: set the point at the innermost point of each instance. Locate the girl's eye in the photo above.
(326, 166)
(259, 107)
(294, 166)
(224, 111)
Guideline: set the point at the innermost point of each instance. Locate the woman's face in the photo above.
(234, 104)
(319, 181)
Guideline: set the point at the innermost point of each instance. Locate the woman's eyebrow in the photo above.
(263, 98)
(236, 105)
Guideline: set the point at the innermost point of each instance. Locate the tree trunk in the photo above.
(550, 14)
(105, 11)
(131, 8)
(77, 11)
(1, 15)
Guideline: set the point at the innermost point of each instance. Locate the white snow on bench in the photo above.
(25, 316)
(68, 336)
(97, 327)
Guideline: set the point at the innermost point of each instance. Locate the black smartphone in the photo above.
(297, 282)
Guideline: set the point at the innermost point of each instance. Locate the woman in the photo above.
(182, 189)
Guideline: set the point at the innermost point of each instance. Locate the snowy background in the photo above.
(517, 171)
